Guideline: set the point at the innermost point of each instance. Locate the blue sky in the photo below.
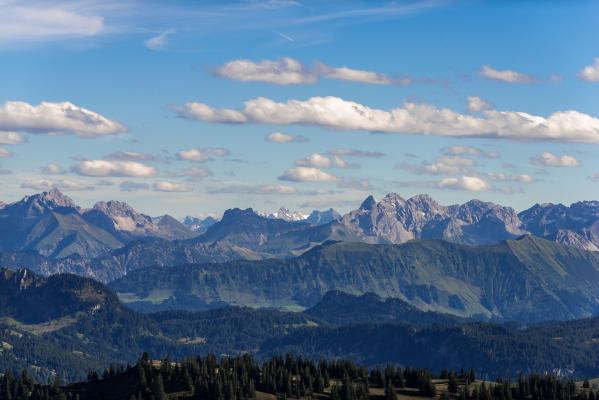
(168, 106)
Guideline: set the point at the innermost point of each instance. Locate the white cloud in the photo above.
(337, 113)
(442, 165)
(62, 184)
(307, 174)
(522, 178)
(551, 160)
(288, 71)
(45, 21)
(206, 113)
(476, 104)
(469, 151)
(470, 183)
(5, 153)
(114, 168)
(506, 75)
(130, 186)
(279, 137)
(255, 189)
(594, 177)
(354, 75)
(53, 169)
(202, 155)
(165, 186)
(158, 42)
(315, 160)
(284, 71)
(56, 118)
(10, 138)
(591, 72)
(519, 178)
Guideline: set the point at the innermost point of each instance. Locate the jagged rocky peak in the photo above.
(124, 216)
(474, 210)
(368, 203)
(287, 215)
(46, 201)
(115, 207)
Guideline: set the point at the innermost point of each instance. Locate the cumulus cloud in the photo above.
(442, 165)
(506, 75)
(591, 72)
(468, 151)
(354, 75)
(551, 160)
(284, 71)
(166, 186)
(315, 160)
(114, 168)
(56, 118)
(62, 184)
(476, 104)
(206, 113)
(202, 155)
(337, 113)
(594, 177)
(5, 153)
(279, 137)
(158, 42)
(53, 169)
(307, 174)
(254, 189)
(288, 71)
(318, 160)
(469, 183)
(130, 186)
(518, 178)
(10, 138)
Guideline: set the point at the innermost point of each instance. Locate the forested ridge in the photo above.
(289, 377)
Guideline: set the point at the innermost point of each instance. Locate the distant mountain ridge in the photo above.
(529, 279)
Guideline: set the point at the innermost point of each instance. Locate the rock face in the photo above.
(397, 220)
(323, 217)
(577, 225)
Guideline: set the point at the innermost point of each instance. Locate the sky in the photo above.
(190, 108)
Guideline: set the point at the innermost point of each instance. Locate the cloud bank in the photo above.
(412, 118)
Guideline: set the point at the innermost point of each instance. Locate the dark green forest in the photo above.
(289, 377)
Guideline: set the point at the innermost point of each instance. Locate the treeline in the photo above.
(240, 378)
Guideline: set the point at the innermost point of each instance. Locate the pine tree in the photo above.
(390, 393)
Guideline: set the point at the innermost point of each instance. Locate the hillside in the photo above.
(528, 279)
